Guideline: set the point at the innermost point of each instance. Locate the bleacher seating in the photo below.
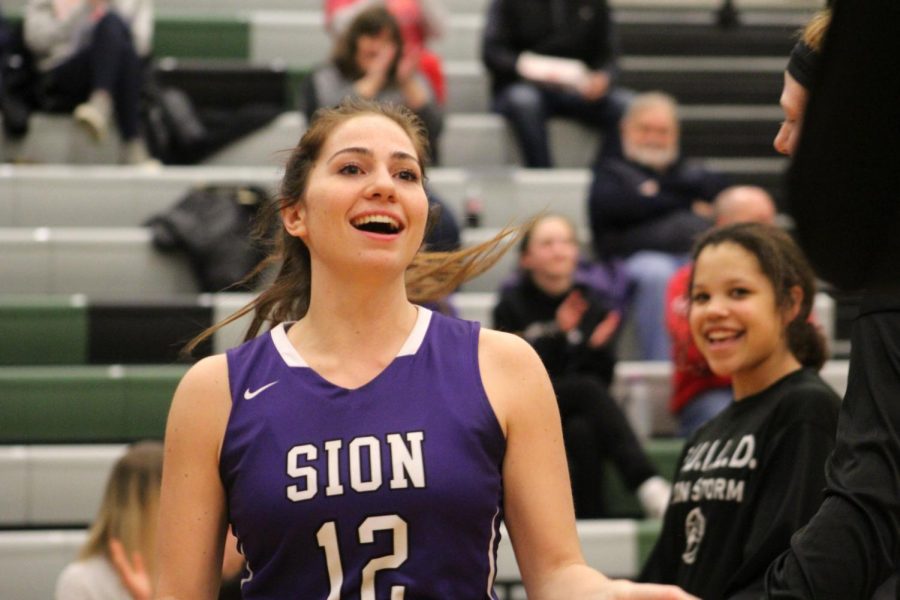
(97, 315)
(616, 546)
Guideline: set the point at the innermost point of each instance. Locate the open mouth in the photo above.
(381, 224)
(720, 338)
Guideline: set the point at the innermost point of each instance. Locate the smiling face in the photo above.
(552, 251)
(735, 319)
(364, 207)
(650, 136)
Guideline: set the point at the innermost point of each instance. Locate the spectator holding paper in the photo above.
(552, 59)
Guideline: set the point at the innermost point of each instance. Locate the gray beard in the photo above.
(653, 158)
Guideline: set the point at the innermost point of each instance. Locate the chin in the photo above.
(725, 367)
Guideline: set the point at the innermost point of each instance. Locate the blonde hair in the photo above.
(128, 511)
(431, 275)
(813, 35)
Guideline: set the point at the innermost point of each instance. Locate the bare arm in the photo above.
(192, 506)
(540, 516)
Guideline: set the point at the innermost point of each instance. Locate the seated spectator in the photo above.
(117, 562)
(647, 207)
(698, 394)
(89, 54)
(551, 59)
(419, 20)
(368, 62)
(572, 328)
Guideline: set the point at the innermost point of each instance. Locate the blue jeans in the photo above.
(650, 271)
(528, 106)
(703, 407)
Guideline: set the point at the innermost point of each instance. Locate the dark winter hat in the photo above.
(803, 63)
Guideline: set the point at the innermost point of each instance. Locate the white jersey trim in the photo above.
(285, 348)
(412, 344)
(492, 559)
(417, 335)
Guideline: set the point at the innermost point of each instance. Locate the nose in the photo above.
(785, 138)
(716, 308)
(381, 185)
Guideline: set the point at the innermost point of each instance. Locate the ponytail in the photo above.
(806, 343)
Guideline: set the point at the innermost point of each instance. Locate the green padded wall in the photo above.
(84, 404)
(184, 37)
(648, 532)
(664, 455)
(43, 330)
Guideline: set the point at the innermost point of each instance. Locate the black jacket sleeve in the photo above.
(498, 51)
(622, 194)
(853, 543)
(844, 193)
(844, 184)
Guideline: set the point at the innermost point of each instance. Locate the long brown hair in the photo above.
(130, 503)
(784, 265)
(431, 275)
(370, 22)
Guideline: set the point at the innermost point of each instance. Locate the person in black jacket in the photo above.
(518, 36)
(647, 207)
(843, 194)
(571, 328)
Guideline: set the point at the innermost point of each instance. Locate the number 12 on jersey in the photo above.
(328, 541)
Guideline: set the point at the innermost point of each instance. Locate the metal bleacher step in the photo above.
(616, 547)
(111, 196)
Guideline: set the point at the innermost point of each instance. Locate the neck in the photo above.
(761, 376)
(552, 285)
(347, 314)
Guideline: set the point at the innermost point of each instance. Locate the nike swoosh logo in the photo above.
(248, 395)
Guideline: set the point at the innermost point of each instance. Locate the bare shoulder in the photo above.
(512, 373)
(202, 401)
(205, 381)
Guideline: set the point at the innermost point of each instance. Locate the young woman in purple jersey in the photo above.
(364, 447)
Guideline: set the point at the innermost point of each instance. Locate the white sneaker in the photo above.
(94, 116)
(653, 495)
(134, 153)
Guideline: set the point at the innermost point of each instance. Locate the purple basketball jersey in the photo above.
(390, 491)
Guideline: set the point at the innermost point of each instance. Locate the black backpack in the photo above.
(213, 225)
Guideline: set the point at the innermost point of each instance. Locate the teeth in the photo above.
(376, 219)
(719, 335)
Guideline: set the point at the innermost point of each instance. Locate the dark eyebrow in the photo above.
(351, 150)
(399, 154)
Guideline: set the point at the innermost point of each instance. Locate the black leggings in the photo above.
(110, 63)
(596, 430)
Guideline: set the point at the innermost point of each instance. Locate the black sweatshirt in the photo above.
(524, 304)
(746, 481)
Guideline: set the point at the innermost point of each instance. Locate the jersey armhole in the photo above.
(475, 333)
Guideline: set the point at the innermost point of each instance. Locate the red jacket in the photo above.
(691, 374)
